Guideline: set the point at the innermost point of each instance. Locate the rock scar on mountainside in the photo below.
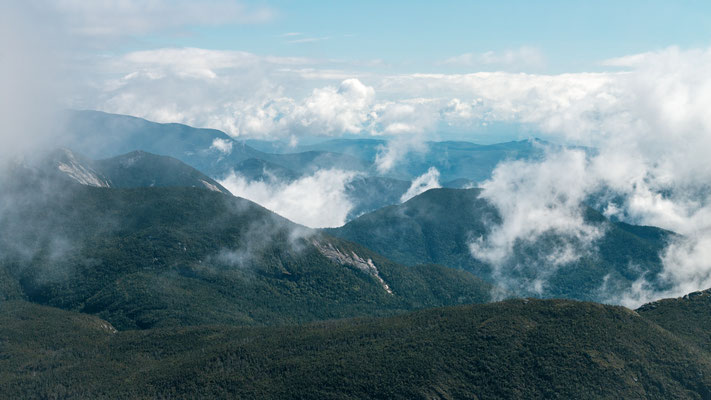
(334, 254)
(210, 186)
(80, 173)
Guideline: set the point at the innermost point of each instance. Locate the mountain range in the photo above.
(162, 256)
(129, 274)
(99, 135)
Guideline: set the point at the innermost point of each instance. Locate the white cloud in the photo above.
(259, 96)
(390, 154)
(537, 198)
(521, 58)
(317, 201)
(238, 92)
(652, 135)
(308, 39)
(428, 180)
(224, 146)
(115, 18)
(344, 109)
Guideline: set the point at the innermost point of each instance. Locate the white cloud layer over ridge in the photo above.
(260, 96)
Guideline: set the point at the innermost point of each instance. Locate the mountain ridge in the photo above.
(173, 256)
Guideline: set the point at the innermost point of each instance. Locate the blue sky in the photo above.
(415, 36)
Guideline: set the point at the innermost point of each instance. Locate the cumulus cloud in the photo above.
(274, 97)
(317, 201)
(428, 180)
(344, 109)
(240, 93)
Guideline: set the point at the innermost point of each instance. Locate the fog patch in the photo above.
(223, 146)
(428, 180)
(537, 198)
(29, 78)
(259, 236)
(396, 149)
(318, 200)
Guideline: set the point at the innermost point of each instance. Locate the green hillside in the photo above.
(518, 349)
(150, 257)
(688, 317)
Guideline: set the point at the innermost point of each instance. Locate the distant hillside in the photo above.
(518, 349)
(131, 170)
(453, 159)
(438, 225)
(141, 169)
(102, 135)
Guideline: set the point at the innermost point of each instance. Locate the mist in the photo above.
(649, 167)
(317, 201)
(428, 180)
(30, 79)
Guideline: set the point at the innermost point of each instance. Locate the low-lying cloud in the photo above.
(428, 180)
(649, 167)
(317, 201)
(537, 198)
